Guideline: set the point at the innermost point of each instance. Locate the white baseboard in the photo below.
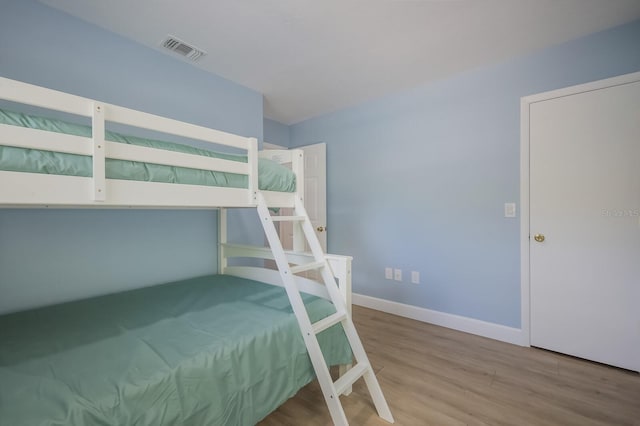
(456, 322)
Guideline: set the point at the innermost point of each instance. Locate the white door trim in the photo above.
(525, 103)
(267, 145)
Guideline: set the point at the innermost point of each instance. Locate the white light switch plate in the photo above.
(509, 209)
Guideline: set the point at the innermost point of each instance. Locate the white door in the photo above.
(585, 203)
(315, 189)
(315, 198)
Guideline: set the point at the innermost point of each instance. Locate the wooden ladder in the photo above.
(362, 368)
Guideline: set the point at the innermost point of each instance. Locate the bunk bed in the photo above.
(221, 350)
(213, 350)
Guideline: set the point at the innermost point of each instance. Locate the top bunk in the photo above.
(85, 159)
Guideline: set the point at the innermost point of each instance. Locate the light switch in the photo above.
(509, 209)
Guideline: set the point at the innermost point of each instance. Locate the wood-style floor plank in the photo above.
(432, 375)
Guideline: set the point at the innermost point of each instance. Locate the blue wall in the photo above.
(277, 133)
(418, 180)
(48, 256)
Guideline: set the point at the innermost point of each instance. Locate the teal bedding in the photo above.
(214, 350)
(271, 175)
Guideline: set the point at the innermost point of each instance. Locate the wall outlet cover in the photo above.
(388, 273)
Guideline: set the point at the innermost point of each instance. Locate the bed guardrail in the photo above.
(100, 150)
(340, 267)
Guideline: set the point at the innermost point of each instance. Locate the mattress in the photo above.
(214, 350)
(271, 175)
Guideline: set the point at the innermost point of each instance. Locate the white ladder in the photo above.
(362, 368)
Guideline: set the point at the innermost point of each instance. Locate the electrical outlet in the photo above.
(388, 273)
(397, 274)
(415, 277)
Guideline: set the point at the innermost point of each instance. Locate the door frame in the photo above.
(268, 145)
(525, 103)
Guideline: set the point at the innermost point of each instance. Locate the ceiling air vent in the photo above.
(183, 49)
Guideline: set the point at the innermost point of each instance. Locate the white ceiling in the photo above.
(313, 57)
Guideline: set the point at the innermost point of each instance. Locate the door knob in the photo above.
(321, 228)
(539, 237)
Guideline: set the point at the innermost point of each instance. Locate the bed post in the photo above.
(222, 240)
(341, 267)
(97, 132)
(297, 165)
(252, 158)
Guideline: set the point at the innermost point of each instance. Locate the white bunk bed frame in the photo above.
(36, 190)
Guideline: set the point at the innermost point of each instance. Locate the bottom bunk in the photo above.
(214, 350)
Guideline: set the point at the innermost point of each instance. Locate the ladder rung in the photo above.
(350, 377)
(287, 218)
(331, 390)
(307, 267)
(327, 322)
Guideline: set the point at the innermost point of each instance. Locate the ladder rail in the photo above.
(331, 390)
(313, 347)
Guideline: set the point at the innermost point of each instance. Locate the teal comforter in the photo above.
(271, 175)
(215, 350)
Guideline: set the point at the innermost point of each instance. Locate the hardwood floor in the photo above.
(436, 376)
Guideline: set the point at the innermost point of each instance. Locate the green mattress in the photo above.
(271, 175)
(214, 350)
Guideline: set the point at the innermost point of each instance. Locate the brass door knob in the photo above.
(321, 228)
(539, 237)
